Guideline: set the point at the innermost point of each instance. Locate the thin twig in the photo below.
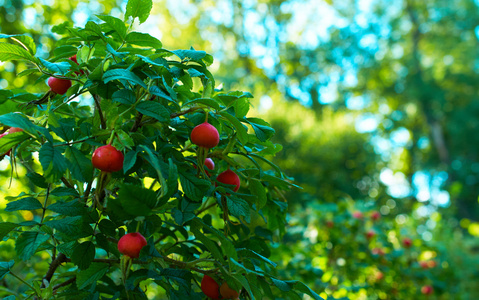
(61, 258)
(100, 112)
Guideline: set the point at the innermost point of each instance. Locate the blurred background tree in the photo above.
(375, 102)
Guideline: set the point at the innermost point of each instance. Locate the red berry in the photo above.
(407, 243)
(210, 164)
(2, 135)
(59, 86)
(431, 264)
(107, 159)
(370, 234)
(227, 292)
(205, 135)
(329, 223)
(375, 216)
(379, 275)
(131, 244)
(14, 129)
(229, 177)
(427, 290)
(210, 287)
(378, 251)
(424, 264)
(74, 59)
(357, 215)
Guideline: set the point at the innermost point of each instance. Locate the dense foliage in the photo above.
(111, 154)
(380, 117)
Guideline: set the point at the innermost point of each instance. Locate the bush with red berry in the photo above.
(143, 174)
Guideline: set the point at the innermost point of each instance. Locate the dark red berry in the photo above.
(131, 244)
(107, 159)
(229, 177)
(205, 135)
(59, 86)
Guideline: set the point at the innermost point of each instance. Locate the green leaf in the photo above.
(282, 285)
(115, 24)
(124, 96)
(122, 74)
(79, 165)
(240, 129)
(299, 286)
(24, 40)
(5, 268)
(261, 128)
(71, 226)
(129, 161)
(154, 109)
(138, 9)
(252, 254)
(240, 265)
(27, 72)
(136, 200)
(83, 255)
(28, 203)
(143, 39)
(14, 52)
(20, 121)
(64, 128)
(241, 107)
(206, 101)
(11, 140)
(154, 90)
(28, 242)
(89, 276)
(209, 244)
(5, 228)
(95, 29)
(194, 187)
(59, 67)
(256, 188)
(238, 207)
(73, 208)
(53, 163)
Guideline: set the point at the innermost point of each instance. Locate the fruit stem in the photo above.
(206, 118)
(112, 135)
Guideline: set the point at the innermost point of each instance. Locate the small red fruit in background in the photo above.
(329, 223)
(210, 164)
(229, 177)
(14, 129)
(131, 244)
(378, 251)
(427, 290)
(59, 86)
(107, 159)
(357, 215)
(227, 292)
(205, 135)
(370, 234)
(375, 216)
(379, 275)
(424, 264)
(210, 287)
(431, 264)
(407, 243)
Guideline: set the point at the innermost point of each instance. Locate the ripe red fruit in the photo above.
(210, 287)
(74, 59)
(370, 234)
(205, 135)
(130, 244)
(14, 129)
(407, 243)
(227, 292)
(210, 164)
(107, 159)
(427, 290)
(229, 177)
(329, 223)
(357, 215)
(375, 216)
(59, 86)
